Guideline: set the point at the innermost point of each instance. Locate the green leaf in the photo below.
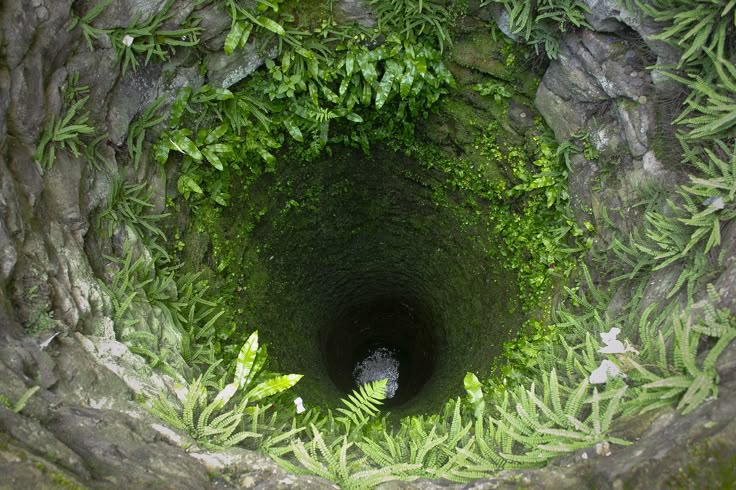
(349, 65)
(354, 117)
(273, 386)
(179, 105)
(186, 185)
(384, 88)
(367, 94)
(212, 157)
(232, 40)
(221, 148)
(308, 54)
(406, 81)
(269, 159)
(271, 25)
(368, 67)
(246, 359)
(183, 144)
(294, 130)
(475, 393)
(161, 152)
(421, 66)
(216, 134)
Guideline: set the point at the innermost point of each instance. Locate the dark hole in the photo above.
(390, 337)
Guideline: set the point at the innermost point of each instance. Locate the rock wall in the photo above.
(84, 428)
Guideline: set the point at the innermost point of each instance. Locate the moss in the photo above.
(307, 13)
(480, 52)
(711, 464)
(336, 215)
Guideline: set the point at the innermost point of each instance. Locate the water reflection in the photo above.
(379, 363)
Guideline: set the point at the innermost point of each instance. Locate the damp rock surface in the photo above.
(84, 427)
(373, 260)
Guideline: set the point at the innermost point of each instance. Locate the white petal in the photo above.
(599, 376)
(181, 391)
(128, 40)
(611, 368)
(299, 405)
(715, 202)
(611, 335)
(630, 348)
(606, 370)
(227, 392)
(613, 347)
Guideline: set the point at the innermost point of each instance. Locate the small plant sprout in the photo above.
(474, 388)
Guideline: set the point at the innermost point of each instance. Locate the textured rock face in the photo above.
(84, 428)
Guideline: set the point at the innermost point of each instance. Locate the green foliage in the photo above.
(19, 405)
(498, 90)
(338, 87)
(540, 23)
(131, 274)
(709, 200)
(697, 26)
(362, 405)
(474, 389)
(310, 92)
(220, 423)
(64, 134)
(150, 38)
(682, 376)
(127, 205)
(139, 126)
(711, 104)
(85, 22)
(245, 23)
(543, 427)
(530, 211)
(414, 18)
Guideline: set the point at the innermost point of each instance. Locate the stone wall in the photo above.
(84, 427)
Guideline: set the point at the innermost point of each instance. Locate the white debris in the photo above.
(613, 345)
(181, 391)
(227, 392)
(603, 448)
(606, 370)
(716, 202)
(299, 405)
(46, 342)
(128, 40)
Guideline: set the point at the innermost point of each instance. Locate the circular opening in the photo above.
(367, 261)
(389, 337)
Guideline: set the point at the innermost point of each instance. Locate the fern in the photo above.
(63, 134)
(541, 23)
(362, 405)
(415, 18)
(137, 130)
(695, 25)
(21, 403)
(692, 382)
(149, 38)
(85, 23)
(710, 105)
(128, 204)
(219, 423)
